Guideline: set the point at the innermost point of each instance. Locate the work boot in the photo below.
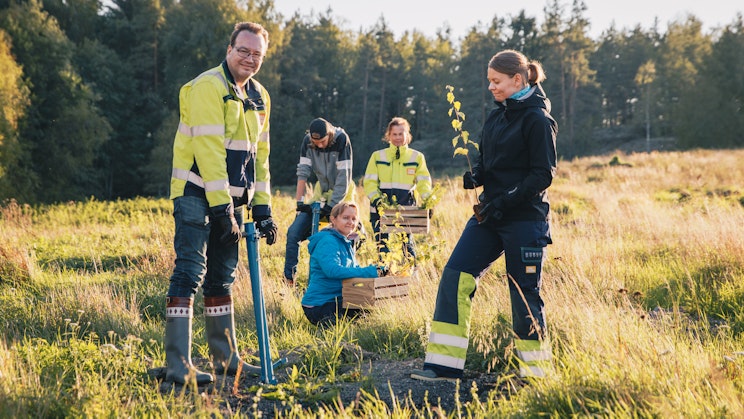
(179, 369)
(220, 330)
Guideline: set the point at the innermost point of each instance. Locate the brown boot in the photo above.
(223, 346)
(178, 316)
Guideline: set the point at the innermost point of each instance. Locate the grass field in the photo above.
(644, 291)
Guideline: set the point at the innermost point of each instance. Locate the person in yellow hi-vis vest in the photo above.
(220, 165)
(516, 164)
(394, 175)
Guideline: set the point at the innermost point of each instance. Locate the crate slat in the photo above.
(406, 219)
(367, 292)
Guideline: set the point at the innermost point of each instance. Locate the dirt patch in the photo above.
(374, 377)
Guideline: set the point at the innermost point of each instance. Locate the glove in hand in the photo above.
(325, 212)
(303, 207)
(488, 211)
(468, 181)
(382, 270)
(267, 228)
(230, 229)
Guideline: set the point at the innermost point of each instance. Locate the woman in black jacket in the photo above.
(515, 166)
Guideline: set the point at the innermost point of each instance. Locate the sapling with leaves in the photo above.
(461, 142)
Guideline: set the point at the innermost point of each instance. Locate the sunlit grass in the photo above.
(643, 288)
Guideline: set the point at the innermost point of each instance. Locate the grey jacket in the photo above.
(331, 165)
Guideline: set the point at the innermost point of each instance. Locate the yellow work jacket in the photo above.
(221, 148)
(403, 177)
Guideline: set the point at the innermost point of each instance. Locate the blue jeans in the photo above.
(201, 259)
(300, 230)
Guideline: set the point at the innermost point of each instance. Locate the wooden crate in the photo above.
(405, 219)
(367, 292)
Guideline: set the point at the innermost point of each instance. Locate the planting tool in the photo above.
(316, 216)
(262, 329)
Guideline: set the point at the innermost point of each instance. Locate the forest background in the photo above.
(89, 92)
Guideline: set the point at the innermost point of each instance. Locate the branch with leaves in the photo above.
(461, 141)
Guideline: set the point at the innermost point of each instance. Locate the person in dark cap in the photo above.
(326, 153)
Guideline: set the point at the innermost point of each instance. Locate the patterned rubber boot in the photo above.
(178, 316)
(220, 330)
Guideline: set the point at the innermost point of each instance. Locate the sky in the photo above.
(427, 16)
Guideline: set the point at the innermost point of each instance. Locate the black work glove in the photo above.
(230, 229)
(468, 181)
(303, 207)
(325, 212)
(491, 210)
(267, 228)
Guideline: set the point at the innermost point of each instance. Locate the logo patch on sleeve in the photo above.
(530, 269)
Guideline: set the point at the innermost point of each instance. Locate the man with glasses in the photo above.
(326, 153)
(220, 165)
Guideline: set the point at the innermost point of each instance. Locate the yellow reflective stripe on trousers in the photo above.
(534, 357)
(531, 371)
(448, 342)
(445, 361)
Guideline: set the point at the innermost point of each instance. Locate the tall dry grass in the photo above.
(643, 290)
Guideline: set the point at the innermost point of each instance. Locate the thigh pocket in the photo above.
(531, 258)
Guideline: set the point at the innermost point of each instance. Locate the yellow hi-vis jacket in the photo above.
(221, 148)
(402, 176)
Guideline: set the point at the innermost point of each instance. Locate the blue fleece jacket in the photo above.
(332, 260)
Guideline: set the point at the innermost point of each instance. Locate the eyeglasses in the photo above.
(246, 53)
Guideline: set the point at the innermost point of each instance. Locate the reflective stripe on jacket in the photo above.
(221, 148)
(403, 177)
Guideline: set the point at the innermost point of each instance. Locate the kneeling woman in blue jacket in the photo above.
(332, 259)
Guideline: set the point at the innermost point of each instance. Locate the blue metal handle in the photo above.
(262, 329)
(316, 216)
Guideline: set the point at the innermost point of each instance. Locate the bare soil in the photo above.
(374, 377)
